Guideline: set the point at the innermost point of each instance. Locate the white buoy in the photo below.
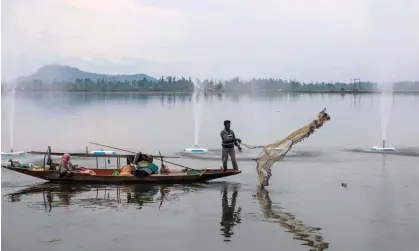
(384, 148)
(196, 149)
(103, 152)
(12, 153)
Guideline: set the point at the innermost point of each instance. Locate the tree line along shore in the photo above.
(185, 85)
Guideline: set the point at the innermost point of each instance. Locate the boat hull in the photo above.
(104, 176)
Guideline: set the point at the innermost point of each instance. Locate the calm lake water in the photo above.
(304, 208)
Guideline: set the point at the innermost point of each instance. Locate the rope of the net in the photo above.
(297, 139)
(250, 146)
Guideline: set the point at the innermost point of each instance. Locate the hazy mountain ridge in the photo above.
(49, 73)
(67, 78)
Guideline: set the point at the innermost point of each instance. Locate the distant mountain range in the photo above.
(67, 73)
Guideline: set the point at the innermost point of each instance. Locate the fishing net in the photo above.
(279, 149)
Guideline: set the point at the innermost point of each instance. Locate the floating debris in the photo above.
(53, 241)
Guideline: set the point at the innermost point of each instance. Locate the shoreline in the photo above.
(227, 92)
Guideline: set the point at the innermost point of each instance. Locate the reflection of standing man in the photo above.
(229, 217)
(229, 140)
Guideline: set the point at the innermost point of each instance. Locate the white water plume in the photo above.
(12, 118)
(197, 103)
(8, 109)
(385, 106)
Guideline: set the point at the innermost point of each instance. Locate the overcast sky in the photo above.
(302, 39)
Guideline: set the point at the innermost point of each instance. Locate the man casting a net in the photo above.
(229, 140)
(278, 150)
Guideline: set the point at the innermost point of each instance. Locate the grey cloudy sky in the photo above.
(302, 39)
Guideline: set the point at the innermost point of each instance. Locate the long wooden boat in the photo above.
(104, 176)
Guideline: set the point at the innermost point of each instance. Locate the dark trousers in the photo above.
(224, 156)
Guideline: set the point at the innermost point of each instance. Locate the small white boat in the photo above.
(12, 153)
(103, 152)
(195, 150)
(383, 149)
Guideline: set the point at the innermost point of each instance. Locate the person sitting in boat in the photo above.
(65, 164)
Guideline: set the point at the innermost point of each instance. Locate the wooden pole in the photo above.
(116, 148)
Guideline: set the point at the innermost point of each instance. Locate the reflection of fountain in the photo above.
(383, 214)
(230, 217)
(302, 232)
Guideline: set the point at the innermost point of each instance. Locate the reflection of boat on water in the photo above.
(64, 192)
(103, 195)
(51, 187)
(310, 235)
(50, 197)
(95, 195)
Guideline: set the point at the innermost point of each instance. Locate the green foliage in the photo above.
(173, 84)
(170, 84)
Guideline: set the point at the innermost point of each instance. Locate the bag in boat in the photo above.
(141, 172)
(154, 168)
(143, 164)
(126, 170)
(145, 169)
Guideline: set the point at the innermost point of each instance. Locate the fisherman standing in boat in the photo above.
(229, 140)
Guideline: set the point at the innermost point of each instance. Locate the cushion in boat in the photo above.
(125, 170)
(87, 171)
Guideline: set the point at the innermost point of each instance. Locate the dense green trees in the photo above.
(174, 84)
(169, 84)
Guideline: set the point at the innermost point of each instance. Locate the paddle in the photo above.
(116, 148)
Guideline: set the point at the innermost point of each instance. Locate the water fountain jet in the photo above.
(197, 112)
(385, 111)
(12, 126)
